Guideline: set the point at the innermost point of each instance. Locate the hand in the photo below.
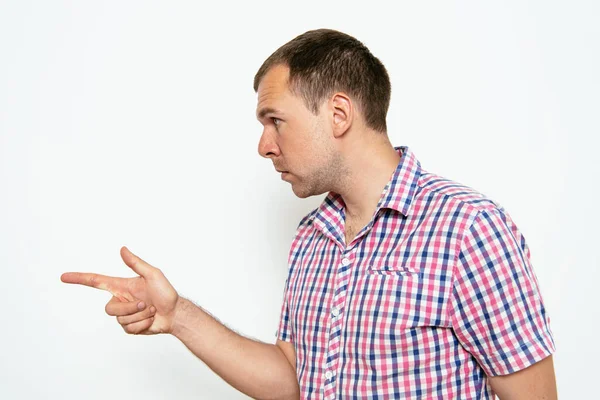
(151, 287)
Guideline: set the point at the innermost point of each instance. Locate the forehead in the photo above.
(273, 87)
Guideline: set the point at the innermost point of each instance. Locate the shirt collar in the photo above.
(397, 194)
(400, 190)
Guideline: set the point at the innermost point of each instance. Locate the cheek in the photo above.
(294, 142)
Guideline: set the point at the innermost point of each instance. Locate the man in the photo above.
(402, 284)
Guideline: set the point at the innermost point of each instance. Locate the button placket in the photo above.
(338, 301)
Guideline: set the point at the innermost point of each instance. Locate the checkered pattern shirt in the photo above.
(433, 295)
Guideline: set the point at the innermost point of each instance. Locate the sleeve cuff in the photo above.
(520, 358)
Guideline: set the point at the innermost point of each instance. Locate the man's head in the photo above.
(312, 91)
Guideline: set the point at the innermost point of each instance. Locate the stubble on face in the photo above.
(328, 172)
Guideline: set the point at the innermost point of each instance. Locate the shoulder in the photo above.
(485, 224)
(465, 208)
(305, 224)
(456, 195)
(305, 227)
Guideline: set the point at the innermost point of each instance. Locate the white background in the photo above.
(132, 123)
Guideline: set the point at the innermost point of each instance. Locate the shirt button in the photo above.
(328, 374)
(335, 311)
(345, 262)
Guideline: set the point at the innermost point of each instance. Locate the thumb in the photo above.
(140, 266)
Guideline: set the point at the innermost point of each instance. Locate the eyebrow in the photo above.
(266, 110)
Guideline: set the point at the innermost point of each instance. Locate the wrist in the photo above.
(179, 318)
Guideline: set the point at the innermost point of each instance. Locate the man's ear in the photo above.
(343, 114)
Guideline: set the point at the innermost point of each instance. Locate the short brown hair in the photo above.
(323, 61)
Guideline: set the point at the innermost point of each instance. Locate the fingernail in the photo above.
(152, 309)
(141, 305)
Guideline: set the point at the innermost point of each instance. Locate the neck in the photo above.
(369, 167)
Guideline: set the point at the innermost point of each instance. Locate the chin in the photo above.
(304, 192)
(301, 194)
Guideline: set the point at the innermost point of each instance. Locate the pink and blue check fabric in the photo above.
(434, 294)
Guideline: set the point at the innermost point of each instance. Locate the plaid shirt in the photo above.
(434, 294)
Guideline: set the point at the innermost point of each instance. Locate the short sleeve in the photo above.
(496, 309)
(284, 332)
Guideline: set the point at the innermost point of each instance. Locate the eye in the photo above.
(276, 121)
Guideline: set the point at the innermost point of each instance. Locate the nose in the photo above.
(267, 146)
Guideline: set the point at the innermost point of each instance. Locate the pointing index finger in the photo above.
(97, 281)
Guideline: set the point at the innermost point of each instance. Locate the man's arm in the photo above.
(497, 309)
(260, 370)
(534, 382)
(148, 305)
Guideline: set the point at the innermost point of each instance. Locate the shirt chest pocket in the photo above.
(390, 301)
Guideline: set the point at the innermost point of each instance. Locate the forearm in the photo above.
(257, 369)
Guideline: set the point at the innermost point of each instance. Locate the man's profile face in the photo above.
(296, 140)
